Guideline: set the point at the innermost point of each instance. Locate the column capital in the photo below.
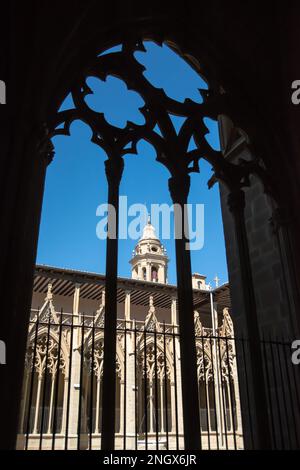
(179, 187)
(45, 146)
(114, 169)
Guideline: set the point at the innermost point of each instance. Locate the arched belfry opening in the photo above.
(220, 371)
(149, 259)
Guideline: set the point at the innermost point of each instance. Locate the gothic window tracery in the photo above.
(151, 112)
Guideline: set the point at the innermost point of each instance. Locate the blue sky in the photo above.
(76, 183)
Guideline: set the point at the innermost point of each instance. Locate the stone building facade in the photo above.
(62, 390)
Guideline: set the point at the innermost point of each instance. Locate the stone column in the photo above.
(24, 406)
(160, 274)
(236, 393)
(174, 319)
(151, 414)
(214, 314)
(103, 298)
(281, 220)
(75, 372)
(218, 390)
(175, 393)
(179, 393)
(162, 410)
(76, 299)
(65, 406)
(51, 404)
(122, 408)
(173, 408)
(208, 405)
(37, 404)
(131, 391)
(114, 166)
(127, 306)
(262, 434)
(179, 185)
(148, 272)
(97, 429)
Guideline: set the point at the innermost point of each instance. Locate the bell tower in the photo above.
(149, 260)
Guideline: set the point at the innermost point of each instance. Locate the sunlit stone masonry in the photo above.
(62, 390)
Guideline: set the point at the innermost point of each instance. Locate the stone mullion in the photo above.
(236, 204)
(236, 389)
(65, 406)
(98, 385)
(51, 404)
(173, 408)
(114, 169)
(122, 410)
(162, 415)
(179, 189)
(37, 404)
(208, 404)
(151, 414)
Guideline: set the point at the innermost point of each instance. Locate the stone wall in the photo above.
(271, 291)
(273, 295)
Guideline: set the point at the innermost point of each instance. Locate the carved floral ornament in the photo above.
(48, 348)
(95, 361)
(46, 356)
(155, 124)
(225, 354)
(155, 362)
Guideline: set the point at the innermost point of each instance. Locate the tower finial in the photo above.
(49, 295)
(149, 259)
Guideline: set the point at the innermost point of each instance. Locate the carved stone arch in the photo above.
(43, 330)
(158, 29)
(199, 331)
(200, 55)
(48, 355)
(47, 313)
(150, 346)
(201, 50)
(204, 363)
(227, 358)
(227, 328)
(98, 354)
(46, 346)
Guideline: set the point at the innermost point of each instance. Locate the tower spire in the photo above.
(149, 261)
